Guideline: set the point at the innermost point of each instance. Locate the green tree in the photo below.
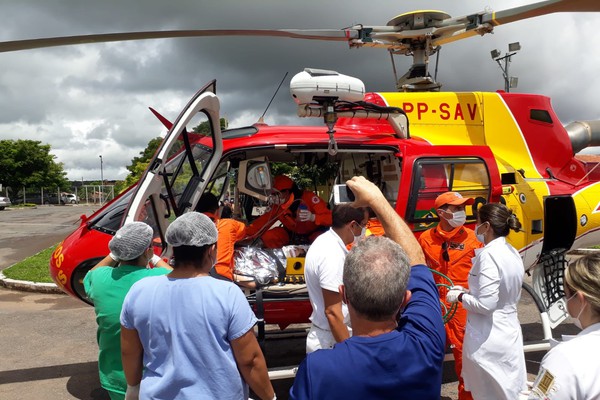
(29, 163)
(307, 176)
(204, 127)
(140, 163)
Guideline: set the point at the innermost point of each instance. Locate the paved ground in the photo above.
(26, 231)
(48, 341)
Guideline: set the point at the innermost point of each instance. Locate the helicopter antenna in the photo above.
(261, 119)
(393, 66)
(437, 61)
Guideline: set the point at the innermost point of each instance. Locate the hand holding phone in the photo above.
(342, 194)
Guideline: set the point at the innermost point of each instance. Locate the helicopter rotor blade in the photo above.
(484, 22)
(341, 35)
(538, 9)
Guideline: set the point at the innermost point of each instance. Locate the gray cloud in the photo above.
(93, 99)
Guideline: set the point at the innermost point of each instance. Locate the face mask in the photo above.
(576, 320)
(480, 236)
(458, 219)
(360, 236)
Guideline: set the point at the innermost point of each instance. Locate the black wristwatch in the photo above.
(460, 296)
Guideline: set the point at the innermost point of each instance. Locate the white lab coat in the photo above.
(570, 370)
(493, 358)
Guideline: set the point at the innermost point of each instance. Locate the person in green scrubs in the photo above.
(106, 285)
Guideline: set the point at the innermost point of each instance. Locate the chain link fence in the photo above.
(84, 194)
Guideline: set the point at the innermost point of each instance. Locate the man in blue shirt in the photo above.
(387, 357)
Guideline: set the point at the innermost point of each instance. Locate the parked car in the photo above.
(37, 199)
(4, 202)
(69, 198)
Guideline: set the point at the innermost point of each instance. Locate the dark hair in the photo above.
(343, 214)
(207, 203)
(189, 255)
(501, 218)
(226, 212)
(371, 213)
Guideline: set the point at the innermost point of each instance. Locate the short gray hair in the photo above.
(376, 273)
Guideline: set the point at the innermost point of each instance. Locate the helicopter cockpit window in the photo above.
(432, 177)
(110, 220)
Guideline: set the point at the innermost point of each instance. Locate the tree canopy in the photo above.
(29, 163)
(204, 127)
(140, 163)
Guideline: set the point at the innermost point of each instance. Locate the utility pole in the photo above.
(509, 81)
(101, 181)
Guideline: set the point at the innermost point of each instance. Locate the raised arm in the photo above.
(108, 261)
(368, 194)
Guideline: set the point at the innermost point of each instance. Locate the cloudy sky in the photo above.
(92, 100)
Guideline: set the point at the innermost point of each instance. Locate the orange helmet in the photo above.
(282, 182)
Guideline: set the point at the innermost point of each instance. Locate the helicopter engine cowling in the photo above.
(583, 134)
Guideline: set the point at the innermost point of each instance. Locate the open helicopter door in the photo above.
(181, 168)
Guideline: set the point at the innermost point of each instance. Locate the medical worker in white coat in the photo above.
(571, 370)
(493, 358)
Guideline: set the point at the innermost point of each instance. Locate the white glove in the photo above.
(155, 259)
(115, 258)
(452, 295)
(133, 392)
(458, 287)
(305, 215)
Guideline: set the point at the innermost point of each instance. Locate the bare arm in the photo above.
(252, 365)
(368, 194)
(132, 354)
(335, 317)
(162, 264)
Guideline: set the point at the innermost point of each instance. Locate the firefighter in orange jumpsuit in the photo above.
(374, 226)
(303, 214)
(229, 232)
(449, 248)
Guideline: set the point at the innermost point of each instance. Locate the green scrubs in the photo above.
(107, 287)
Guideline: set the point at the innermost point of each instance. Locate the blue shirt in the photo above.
(402, 364)
(186, 326)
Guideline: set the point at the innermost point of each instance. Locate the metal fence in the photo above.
(85, 194)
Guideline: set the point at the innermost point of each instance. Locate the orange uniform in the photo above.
(460, 245)
(374, 228)
(229, 232)
(280, 236)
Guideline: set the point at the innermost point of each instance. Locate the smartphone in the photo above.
(342, 194)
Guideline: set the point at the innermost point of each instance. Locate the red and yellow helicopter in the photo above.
(414, 143)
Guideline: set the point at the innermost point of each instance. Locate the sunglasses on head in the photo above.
(445, 254)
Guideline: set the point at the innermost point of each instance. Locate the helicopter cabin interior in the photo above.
(411, 191)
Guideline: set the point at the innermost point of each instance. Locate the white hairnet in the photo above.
(131, 240)
(192, 229)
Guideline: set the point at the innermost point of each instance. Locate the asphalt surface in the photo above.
(48, 341)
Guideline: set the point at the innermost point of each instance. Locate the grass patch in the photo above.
(34, 268)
